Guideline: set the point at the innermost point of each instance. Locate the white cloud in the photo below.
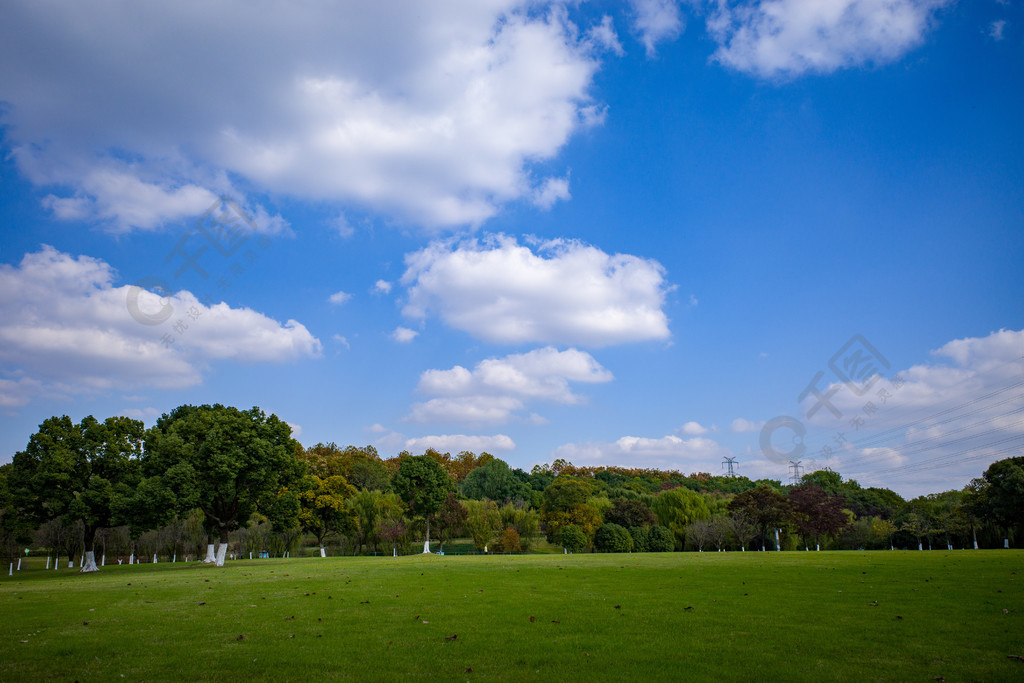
(455, 443)
(341, 339)
(996, 28)
(604, 35)
(932, 426)
(66, 329)
(656, 21)
(740, 426)
(560, 292)
(377, 428)
(497, 388)
(433, 114)
(296, 429)
(551, 191)
(343, 227)
(693, 429)
(339, 298)
(403, 335)
(668, 452)
(382, 287)
(773, 38)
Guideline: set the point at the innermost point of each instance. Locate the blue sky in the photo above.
(624, 233)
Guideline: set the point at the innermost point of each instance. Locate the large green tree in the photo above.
(239, 461)
(80, 473)
(1003, 493)
(423, 484)
(495, 480)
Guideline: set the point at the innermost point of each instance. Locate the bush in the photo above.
(508, 541)
(613, 538)
(660, 540)
(641, 539)
(572, 538)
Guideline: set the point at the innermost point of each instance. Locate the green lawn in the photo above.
(734, 616)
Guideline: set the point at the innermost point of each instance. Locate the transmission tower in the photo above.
(797, 469)
(731, 463)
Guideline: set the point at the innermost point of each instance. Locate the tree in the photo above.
(660, 540)
(742, 527)
(14, 527)
(573, 539)
(816, 512)
(765, 507)
(423, 484)
(677, 508)
(1004, 492)
(630, 513)
(699, 532)
(79, 472)
(566, 503)
(483, 521)
(238, 460)
(613, 538)
(324, 508)
(494, 480)
(450, 519)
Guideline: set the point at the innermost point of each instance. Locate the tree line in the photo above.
(228, 480)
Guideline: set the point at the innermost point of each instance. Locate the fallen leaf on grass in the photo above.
(555, 621)
(202, 603)
(532, 619)
(241, 637)
(618, 606)
(1017, 657)
(365, 602)
(469, 671)
(289, 618)
(873, 604)
(452, 637)
(688, 608)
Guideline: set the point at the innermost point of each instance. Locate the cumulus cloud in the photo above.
(497, 388)
(668, 452)
(693, 429)
(382, 287)
(433, 114)
(558, 292)
(455, 443)
(553, 190)
(403, 335)
(656, 21)
(739, 426)
(339, 298)
(785, 38)
(65, 328)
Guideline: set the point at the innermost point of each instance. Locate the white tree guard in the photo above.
(210, 555)
(90, 563)
(222, 551)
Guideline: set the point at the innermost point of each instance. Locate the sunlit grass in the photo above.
(736, 616)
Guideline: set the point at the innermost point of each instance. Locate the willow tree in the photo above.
(240, 460)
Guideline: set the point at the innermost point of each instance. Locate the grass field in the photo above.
(734, 616)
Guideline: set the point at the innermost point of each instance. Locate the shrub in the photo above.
(613, 538)
(660, 540)
(572, 538)
(641, 539)
(508, 541)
